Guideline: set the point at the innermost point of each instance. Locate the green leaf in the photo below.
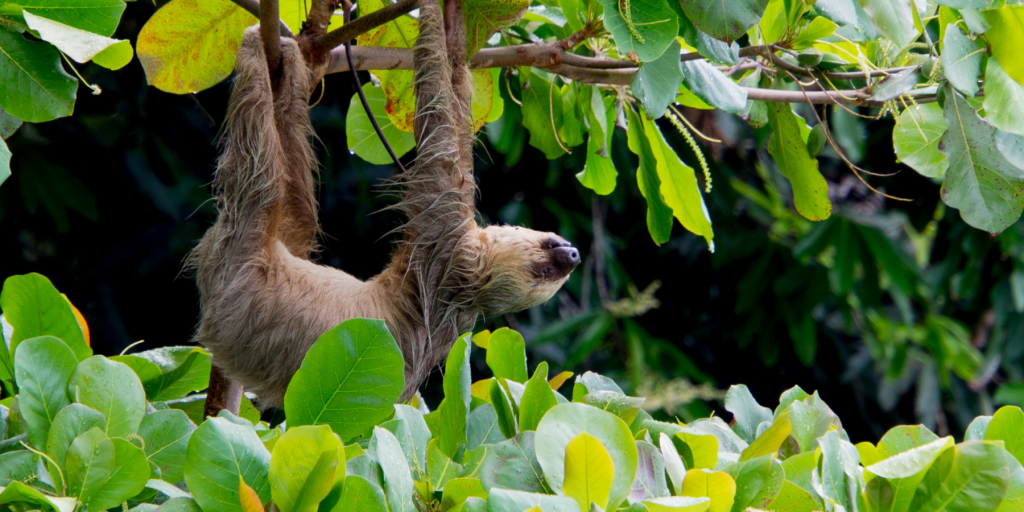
(916, 139)
(905, 470)
(976, 430)
(180, 505)
(36, 88)
(1007, 425)
(840, 472)
(397, 482)
(659, 215)
(349, 379)
(961, 62)
(513, 464)
(769, 442)
(588, 471)
(895, 85)
(648, 29)
(482, 427)
(677, 504)
(787, 147)
(19, 493)
(542, 113)
(16, 466)
(750, 477)
(458, 490)
(1006, 38)
(650, 474)
(96, 16)
(724, 20)
(656, 82)
(1004, 99)
(976, 481)
(537, 399)
(485, 17)
(80, 45)
(503, 409)
(413, 435)
(566, 421)
(709, 47)
(166, 435)
(455, 408)
(190, 45)
(747, 413)
(42, 367)
(71, 422)
(128, 477)
(716, 485)
(361, 495)
(361, 136)
(894, 19)
(506, 355)
(115, 56)
(220, 453)
(713, 87)
(168, 373)
(674, 466)
(90, 461)
(35, 308)
(793, 499)
(772, 486)
(440, 468)
(599, 172)
(303, 467)
(819, 28)
(504, 500)
(980, 182)
(397, 83)
(679, 187)
(114, 390)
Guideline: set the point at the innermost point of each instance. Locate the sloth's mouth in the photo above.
(561, 259)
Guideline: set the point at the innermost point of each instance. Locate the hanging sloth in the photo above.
(264, 302)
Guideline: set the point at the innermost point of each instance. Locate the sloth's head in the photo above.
(519, 267)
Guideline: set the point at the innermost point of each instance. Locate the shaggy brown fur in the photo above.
(264, 302)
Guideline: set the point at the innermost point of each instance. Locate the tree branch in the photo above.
(585, 70)
(253, 6)
(363, 24)
(270, 33)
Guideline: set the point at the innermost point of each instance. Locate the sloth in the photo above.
(264, 302)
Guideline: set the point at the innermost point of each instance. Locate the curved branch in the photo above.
(253, 7)
(586, 70)
(364, 24)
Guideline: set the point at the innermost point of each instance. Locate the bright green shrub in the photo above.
(82, 430)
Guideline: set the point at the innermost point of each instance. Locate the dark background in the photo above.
(108, 203)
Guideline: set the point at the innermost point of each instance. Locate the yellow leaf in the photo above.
(557, 381)
(1006, 38)
(482, 389)
(771, 440)
(250, 501)
(589, 471)
(80, 319)
(190, 45)
(481, 338)
(717, 485)
(703, 448)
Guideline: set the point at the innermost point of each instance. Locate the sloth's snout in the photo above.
(565, 258)
(562, 258)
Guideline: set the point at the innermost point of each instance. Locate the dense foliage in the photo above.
(94, 432)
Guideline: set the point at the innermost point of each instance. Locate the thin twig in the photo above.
(363, 24)
(362, 96)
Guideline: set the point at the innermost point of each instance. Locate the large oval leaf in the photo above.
(42, 367)
(71, 422)
(166, 435)
(654, 26)
(588, 472)
(725, 20)
(916, 139)
(35, 87)
(128, 477)
(361, 135)
(114, 390)
(349, 379)
(789, 149)
(90, 462)
(512, 464)
(566, 421)
(190, 45)
(96, 16)
(219, 453)
(303, 467)
(35, 308)
(980, 182)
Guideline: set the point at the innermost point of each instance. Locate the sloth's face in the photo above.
(521, 267)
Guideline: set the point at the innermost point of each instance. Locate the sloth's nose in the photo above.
(565, 258)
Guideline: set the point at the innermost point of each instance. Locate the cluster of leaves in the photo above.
(86, 430)
(34, 37)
